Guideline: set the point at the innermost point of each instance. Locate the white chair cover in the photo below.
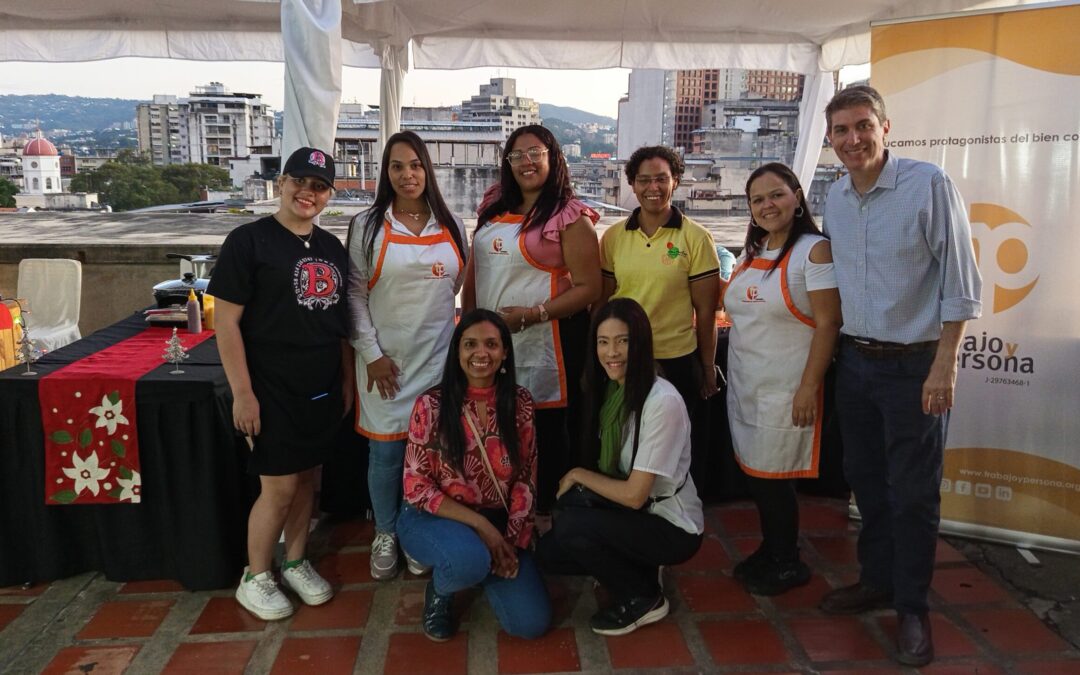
(53, 288)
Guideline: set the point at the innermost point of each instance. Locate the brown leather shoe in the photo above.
(855, 599)
(914, 645)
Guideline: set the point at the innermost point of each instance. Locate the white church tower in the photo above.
(41, 168)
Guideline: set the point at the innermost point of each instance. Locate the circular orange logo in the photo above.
(438, 269)
(496, 245)
(751, 293)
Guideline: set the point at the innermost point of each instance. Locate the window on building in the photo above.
(37, 184)
(48, 183)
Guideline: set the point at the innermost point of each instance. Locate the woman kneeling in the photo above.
(470, 484)
(638, 508)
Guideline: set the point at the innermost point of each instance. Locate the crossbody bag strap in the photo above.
(486, 461)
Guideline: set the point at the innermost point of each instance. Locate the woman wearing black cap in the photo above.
(281, 322)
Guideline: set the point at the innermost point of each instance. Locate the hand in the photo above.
(383, 373)
(568, 481)
(708, 382)
(804, 406)
(504, 561)
(938, 390)
(245, 411)
(512, 315)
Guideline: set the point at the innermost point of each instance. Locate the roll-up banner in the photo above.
(994, 99)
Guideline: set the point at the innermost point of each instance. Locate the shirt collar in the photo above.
(674, 221)
(886, 180)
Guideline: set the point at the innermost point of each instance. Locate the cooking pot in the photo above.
(175, 291)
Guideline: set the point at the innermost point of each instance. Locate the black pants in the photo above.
(778, 511)
(620, 548)
(684, 372)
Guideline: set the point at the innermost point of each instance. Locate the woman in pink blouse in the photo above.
(470, 484)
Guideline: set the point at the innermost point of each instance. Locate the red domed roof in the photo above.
(40, 147)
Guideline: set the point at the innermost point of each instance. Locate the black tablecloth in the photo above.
(191, 524)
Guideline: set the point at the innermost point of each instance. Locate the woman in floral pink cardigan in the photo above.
(470, 484)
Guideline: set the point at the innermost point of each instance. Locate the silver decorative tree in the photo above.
(175, 353)
(27, 352)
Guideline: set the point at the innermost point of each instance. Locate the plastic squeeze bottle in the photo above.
(194, 314)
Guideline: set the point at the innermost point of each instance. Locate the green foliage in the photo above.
(132, 182)
(8, 190)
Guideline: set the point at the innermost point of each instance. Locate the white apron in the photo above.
(507, 276)
(767, 350)
(411, 302)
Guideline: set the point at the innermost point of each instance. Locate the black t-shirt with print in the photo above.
(291, 295)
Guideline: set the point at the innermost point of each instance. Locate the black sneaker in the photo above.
(628, 616)
(752, 564)
(438, 624)
(776, 577)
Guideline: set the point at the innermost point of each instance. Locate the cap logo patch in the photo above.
(317, 159)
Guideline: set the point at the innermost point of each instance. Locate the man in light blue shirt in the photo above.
(908, 283)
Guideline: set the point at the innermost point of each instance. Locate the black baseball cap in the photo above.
(310, 162)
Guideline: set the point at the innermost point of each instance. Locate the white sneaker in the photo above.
(384, 556)
(306, 582)
(262, 597)
(416, 568)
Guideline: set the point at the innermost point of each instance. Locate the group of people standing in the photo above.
(550, 427)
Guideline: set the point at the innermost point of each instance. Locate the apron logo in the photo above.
(752, 294)
(1007, 255)
(438, 271)
(317, 283)
(497, 247)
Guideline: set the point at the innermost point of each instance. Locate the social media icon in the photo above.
(982, 490)
(1003, 492)
(963, 487)
(946, 485)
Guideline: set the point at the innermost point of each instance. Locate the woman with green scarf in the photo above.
(632, 506)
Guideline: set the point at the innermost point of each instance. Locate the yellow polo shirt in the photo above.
(656, 271)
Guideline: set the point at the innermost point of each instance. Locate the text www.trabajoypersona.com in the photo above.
(1020, 480)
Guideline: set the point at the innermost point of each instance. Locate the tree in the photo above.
(8, 190)
(189, 178)
(125, 186)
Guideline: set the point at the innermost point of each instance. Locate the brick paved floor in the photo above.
(88, 624)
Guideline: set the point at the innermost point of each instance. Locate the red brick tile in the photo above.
(225, 615)
(714, 593)
(949, 640)
(739, 520)
(832, 515)
(346, 568)
(347, 609)
(8, 614)
(554, 652)
(658, 646)
(320, 656)
(214, 657)
(803, 597)
(155, 586)
(711, 557)
(871, 670)
(105, 660)
(746, 545)
(839, 638)
(946, 553)
(415, 654)
(1014, 630)
(966, 668)
(1060, 667)
(837, 550)
(733, 642)
(126, 619)
(35, 590)
(357, 532)
(967, 585)
(410, 605)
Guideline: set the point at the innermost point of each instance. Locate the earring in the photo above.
(502, 369)
(799, 212)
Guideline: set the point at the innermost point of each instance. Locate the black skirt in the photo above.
(300, 405)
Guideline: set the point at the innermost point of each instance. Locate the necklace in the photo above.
(414, 216)
(306, 242)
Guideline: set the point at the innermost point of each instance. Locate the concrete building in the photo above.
(498, 101)
(646, 113)
(161, 127)
(43, 186)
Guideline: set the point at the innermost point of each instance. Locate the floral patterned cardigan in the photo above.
(428, 479)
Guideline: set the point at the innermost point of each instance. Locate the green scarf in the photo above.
(612, 421)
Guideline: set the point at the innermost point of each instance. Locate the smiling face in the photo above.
(653, 185)
(303, 198)
(481, 353)
(407, 176)
(613, 347)
(773, 204)
(529, 174)
(858, 137)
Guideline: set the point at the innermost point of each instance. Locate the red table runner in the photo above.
(88, 414)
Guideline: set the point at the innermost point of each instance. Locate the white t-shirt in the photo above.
(664, 450)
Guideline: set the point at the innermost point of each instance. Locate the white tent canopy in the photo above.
(812, 37)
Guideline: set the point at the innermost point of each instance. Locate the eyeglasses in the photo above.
(646, 181)
(535, 154)
(310, 183)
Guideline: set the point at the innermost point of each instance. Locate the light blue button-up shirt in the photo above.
(903, 254)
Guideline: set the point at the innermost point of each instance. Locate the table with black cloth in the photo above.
(191, 524)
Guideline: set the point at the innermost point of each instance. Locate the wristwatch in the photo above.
(543, 312)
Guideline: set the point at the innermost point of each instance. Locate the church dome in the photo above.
(40, 147)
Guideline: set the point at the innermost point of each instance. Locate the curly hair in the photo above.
(654, 152)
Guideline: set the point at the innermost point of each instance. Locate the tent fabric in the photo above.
(311, 34)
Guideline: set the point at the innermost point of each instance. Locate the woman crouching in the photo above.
(470, 484)
(636, 507)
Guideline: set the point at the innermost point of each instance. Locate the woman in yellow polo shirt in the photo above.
(668, 264)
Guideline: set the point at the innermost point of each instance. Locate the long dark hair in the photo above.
(555, 194)
(384, 197)
(453, 386)
(801, 224)
(640, 373)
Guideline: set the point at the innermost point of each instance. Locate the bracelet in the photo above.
(523, 313)
(542, 311)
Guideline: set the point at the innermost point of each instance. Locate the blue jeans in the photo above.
(893, 463)
(386, 464)
(460, 560)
